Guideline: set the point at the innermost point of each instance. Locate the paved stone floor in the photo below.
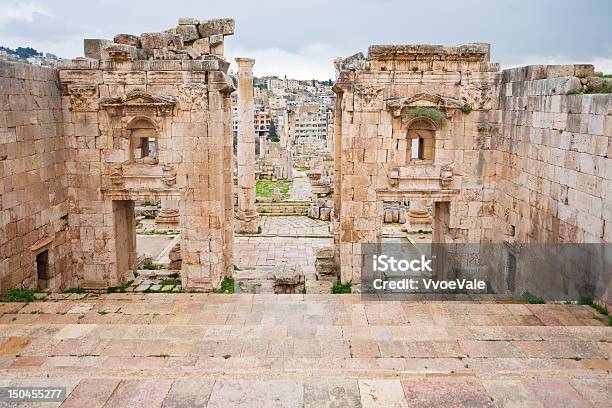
(175, 350)
(295, 226)
(300, 188)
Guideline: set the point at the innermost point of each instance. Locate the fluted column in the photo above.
(247, 213)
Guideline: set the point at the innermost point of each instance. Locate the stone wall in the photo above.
(33, 194)
(184, 107)
(553, 158)
(446, 91)
(552, 183)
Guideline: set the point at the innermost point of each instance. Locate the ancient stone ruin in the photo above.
(434, 138)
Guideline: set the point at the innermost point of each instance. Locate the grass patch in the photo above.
(342, 288)
(169, 282)
(174, 275)
(265, 188)
(119, 289)
(18, 295)
(75, 290)
(151, 266)
(150, 203)
(602, 75)
(599, 308)
(227, 286)
(532, 299)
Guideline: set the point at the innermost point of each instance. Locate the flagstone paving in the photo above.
(215, 350)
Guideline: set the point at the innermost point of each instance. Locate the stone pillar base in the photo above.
(167, 219)
(418, 217)
(247, 223)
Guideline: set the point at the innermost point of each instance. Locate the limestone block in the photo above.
(188, 21)
(153, 40)
(215, 39)
(120, 51)
(188, 32)
(127, 39)
(199, 47)
(224, 26)
(324, 253)
(93, 47)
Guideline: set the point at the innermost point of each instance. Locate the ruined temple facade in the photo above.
(502, 156)
(513, 156)
(128, 123)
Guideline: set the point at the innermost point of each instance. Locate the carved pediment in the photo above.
(443, 103)
(140, 102)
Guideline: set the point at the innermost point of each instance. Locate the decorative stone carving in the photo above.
(446, 175)
(116, 175)
(442, 103)
(368, 97)
(169, 177)
(393, 177)
(478, 95)
(138, 102)
(83, 97)
(193, 97)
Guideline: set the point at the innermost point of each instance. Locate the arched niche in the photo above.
(421, 140)
(144, 141)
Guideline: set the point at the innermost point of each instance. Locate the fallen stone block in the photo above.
(127, 39)
(118, 52)
(153, 40)
(224, 26)
(188, 32)
(188, 21)
(325, 214)
(92, 47)
(216, 39)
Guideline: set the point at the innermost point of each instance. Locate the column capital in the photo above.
(245, 63)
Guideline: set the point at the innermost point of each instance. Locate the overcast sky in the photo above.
(300, 39)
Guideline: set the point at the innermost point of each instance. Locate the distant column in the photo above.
(262, 146)
(247, 213)
(418, 216)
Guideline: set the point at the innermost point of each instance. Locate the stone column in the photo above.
(262, 146)
(418, 216)
(247, 213)
(168, 218)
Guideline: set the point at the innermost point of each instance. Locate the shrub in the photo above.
(341, 288)
(227, 286)
(531, 298)
(438, 117)
(466, 108)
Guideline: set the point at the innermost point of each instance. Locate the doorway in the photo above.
(42, 269)
(125, 237)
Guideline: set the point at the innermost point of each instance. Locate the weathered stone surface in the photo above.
(201, 46)
(223, 26)
(188, 21)
(188, 32)
(153, 40)
(127, 39)
(93, 47)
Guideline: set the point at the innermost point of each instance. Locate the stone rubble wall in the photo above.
(191, 39)
(553, 158)
(33, 194)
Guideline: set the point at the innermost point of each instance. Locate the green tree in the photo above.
(272, 135)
